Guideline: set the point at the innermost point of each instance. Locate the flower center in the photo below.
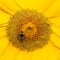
(28, 30)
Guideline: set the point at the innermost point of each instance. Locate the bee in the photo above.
(21, 36)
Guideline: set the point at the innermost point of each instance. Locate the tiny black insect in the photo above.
(21, 36)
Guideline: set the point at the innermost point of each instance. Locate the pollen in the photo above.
(28, 30)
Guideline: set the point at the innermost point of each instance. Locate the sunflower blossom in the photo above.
(29, 30)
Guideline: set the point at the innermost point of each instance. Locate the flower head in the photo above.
(29, 30)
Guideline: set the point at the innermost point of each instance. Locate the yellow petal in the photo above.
(55, 25)
(4, 8)
(9, 6)
(54, 10)
(41, 5)
(55, 37)
(10, 53)
(3, 44)
(56, 40)
(55, 22)
(45, 53)
(4, 17)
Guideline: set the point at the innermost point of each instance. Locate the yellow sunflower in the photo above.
(29, 29)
